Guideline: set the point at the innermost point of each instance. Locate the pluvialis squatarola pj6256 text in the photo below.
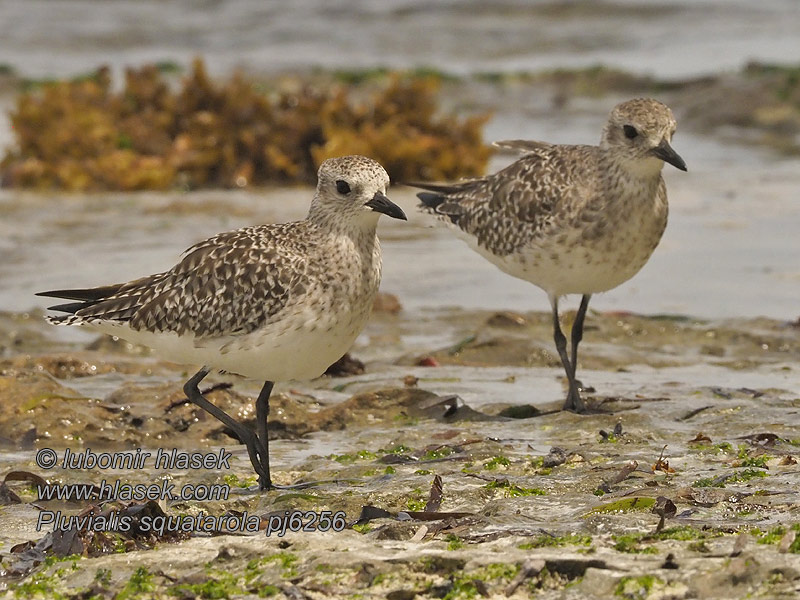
(570, 219)
(271, 302)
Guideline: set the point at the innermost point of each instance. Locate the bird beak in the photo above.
(665, 152)
(382, 204)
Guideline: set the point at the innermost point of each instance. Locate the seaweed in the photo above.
(82, 135)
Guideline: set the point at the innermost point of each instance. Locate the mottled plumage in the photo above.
(271, 302)
(230, 284)
(570, 218)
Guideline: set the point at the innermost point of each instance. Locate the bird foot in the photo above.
(574, 402)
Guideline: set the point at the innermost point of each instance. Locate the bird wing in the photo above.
(229, 284)
(508, 209)
(521, 146)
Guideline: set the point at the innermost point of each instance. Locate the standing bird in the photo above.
(270, 302)
(570, 219)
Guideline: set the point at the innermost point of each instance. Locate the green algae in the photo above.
(139, 584)
(636, 503)
(546, 541)
(511, 490)
(637, 587)
(496, 462)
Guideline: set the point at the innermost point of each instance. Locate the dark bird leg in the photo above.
(573, 402)
(255, 448)
(577, 335)
(262, 415)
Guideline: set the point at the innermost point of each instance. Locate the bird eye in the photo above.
(342, 187)
(630, 131)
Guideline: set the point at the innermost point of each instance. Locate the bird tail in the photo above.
(442, 199)
(86, 298)
(430, 201)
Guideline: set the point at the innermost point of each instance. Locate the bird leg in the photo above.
(573, 402)
(262, 415)
(577, 335)
(255, 447)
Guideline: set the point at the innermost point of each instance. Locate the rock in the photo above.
(732, 580)
(107, 343)
(370, 407)
(22, 332)
(291, 418)
(135, 414)
(556, 457)
(530, 568)
(386, 303)
(401, 594)
(410, 381)
(32, 400)
(77, 364)
(427, 361)
(520, 411)
(712, 350)
(504, 350)
(159, 411)
(786, 541)
(345, 366)
(507, 318)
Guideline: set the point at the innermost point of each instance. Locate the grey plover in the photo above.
(570, 219)
(270, 302)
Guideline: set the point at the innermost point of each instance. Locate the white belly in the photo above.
(566, 262)
(301, 345)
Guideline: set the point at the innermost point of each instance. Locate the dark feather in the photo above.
(446, 188)
(438, 203)
(88, 294)
(431, 200)
(442, 188)
(71, 307)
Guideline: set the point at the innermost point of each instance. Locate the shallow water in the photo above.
(729, 249)
(671, 39)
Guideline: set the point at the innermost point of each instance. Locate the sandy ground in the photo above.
(696, 420)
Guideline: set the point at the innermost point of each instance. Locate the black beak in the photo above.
(382, 204)
(665, 152)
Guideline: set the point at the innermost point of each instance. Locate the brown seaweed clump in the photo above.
(83, 135)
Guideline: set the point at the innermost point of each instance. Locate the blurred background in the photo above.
(671, 40)
(469, 73)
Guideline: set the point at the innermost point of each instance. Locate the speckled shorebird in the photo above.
(570, 219)
(271, 302)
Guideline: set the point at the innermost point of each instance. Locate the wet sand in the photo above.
(716, 400)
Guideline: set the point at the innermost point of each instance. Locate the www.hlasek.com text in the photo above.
(127, 492)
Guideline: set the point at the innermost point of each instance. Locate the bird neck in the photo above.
(635, 169)
(361, 226)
